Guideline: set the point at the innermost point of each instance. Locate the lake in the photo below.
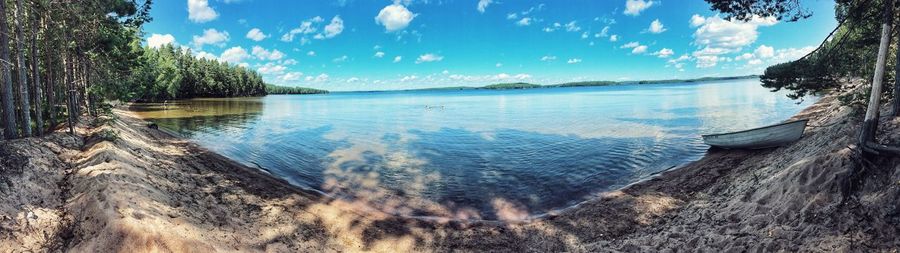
(474, 154)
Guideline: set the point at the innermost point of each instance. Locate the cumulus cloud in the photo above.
(632, 44)
(398, 59)
(573, 61)
(256, 35)
(664, 53)
(379, 54)
(234, 55)
(613, 38)
(526, 21)
(429, 58)
(306, 27)
(764, 51)
(158, 40)
(205, 55)
(572, 26)
(311, 53)
(263, 54)
(716, 36)
(200, 12)
(335, 27)
(656, 27)
(639, 49)
(635, 7)
(548, 58)
(483, 4)
(394, 17)
(343, 58)
(211, 37)
(271, 68)
(289, 77)
(318, 79)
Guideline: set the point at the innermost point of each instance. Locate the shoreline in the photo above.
(126, 187)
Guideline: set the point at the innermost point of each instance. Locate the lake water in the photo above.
(482, 154)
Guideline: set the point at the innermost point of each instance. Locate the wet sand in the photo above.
(123, 187)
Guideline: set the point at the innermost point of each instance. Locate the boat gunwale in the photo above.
(758, 128)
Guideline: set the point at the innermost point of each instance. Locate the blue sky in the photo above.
(381, 45)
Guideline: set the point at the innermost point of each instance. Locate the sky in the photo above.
(345, 45)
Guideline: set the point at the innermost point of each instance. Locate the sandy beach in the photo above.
(119, 186)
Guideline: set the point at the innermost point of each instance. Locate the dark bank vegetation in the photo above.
(277, 90)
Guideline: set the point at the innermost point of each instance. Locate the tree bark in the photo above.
(9, 115)
(22, 76)
(895, 106)
(870, 124)
(51, 81)
(36, 78)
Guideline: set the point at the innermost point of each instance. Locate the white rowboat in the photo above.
(759, 138)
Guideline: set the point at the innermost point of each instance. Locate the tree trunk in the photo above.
(895, 106)
(870, 124)
(51, 81)
(22, 76)
(70, 89)
(9, 115)
(36, 78)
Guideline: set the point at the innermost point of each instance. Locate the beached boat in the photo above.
(758, 138)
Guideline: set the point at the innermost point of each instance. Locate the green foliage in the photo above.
(275, 89)
(172, 73)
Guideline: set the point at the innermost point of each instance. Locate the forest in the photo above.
(62, 59)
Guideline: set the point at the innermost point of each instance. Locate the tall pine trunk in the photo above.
(51, 77)
(36, 77)
(9, 114)
(870, 124)
(22, 76)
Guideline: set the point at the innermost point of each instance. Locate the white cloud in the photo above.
(409, 78)
(318, 79)
(707, 61)
(483, 4)
(573, 61)
(256, 35)
(730, 36)
(697, 20)
(158, 40)
(614, 38)
(394, 17)
(639, 49)
(524, 22)
(572, 27)
(200, 12)
(289, 77)
(791, 54)
(603, 33)
(211, 37)
(311, 53)
(764, 51)
(263, 54)
(289, 62)
(429, 58)
(271, 68)
(656, 27)
(512, 16)
(745, 56)
(548, 58)
(755, 62)
(306, 27)
(632, 44)
(205, 55)
(379, 54)
(343, 58)
(335, 27)
(664, 53)
(234, 55)
(635, 7)
(398, 59)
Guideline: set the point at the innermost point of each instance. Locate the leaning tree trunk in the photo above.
(36, 78)
(870, 124)
(9, 114)
(22, 77)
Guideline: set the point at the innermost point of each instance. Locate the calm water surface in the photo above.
(479, 153)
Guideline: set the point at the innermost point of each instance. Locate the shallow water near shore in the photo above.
(474, 154)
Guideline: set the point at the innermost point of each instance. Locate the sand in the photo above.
(118, 186)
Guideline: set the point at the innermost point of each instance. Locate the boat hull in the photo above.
(759, 138)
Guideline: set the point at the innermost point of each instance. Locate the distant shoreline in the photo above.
(523, 86)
